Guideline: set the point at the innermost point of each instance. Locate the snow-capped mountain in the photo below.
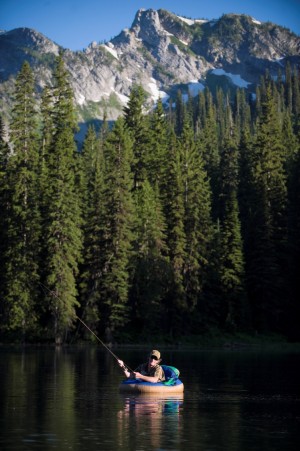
(161, 51)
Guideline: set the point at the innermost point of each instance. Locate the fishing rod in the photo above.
(125, 367)
(103, 344)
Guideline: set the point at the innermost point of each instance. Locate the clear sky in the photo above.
(74, 24)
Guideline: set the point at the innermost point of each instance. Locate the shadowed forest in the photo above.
(168, 224)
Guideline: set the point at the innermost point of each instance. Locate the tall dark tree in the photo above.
(288, 88)
(268, 223)
(221, 104)
(4, 208)
(63, 239)
(231, 265)
(200, 111)
(246, 194)
(208, 140)
(289, 140)
(157, 149)
(173, 203)
(93, 214)
(47, 135)
(136, 122)
(23, 222)
(296, 92)
(197, 218)
(180, 113)
(242, 114)
(244, 139)
(151, 277)
(117, 229)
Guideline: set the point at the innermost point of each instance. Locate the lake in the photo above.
(68, 399)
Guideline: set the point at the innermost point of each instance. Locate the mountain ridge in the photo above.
(161, 51)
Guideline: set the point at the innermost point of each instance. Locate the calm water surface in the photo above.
(68, 399)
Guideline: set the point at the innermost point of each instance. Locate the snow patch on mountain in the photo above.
(256, 21)
(236, 79)
(192, 21)
(156, 92)
(110, 48)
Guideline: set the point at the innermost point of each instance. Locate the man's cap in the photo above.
(156, 353)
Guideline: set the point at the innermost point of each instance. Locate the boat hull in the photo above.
(136, 386)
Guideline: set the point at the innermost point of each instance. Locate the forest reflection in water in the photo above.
(68, 398)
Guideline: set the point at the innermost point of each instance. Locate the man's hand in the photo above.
(122, 365)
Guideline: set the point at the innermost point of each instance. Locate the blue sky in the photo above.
(75, 24)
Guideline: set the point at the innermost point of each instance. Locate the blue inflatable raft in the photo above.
(171, 385)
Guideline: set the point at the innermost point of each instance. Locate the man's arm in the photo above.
(153, 379)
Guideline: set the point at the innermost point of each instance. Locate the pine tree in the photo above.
(47, 134)
(180, 113)
(242, 114)
(231, 266)
(157, 149)
(289, 140)
(268, 222)
(173, 203)
(296, 92)
(151, 276)
(208, 143)
(245, 148)
(288, 88)
(63, 239)
(296, 101)
(200, 111)
(93, 213)
(4, 208)
(47, 114)
(246, 194)
(136, 123)
(23, 221)
(187, 207)
(197, 216)
(116, 229)
(221, 113)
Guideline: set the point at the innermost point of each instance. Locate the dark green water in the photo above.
(68, 399)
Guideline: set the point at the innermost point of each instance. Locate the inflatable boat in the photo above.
(171, 385)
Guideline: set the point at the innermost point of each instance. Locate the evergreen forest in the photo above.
(167, 224)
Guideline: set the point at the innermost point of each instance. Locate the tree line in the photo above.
(169, 223)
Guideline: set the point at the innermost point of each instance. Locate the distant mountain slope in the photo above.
(161, 51)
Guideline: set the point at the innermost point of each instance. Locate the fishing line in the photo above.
(103, 344)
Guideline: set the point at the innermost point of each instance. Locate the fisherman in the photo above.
(150, 371)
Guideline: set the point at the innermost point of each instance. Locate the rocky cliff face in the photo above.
(161, 51)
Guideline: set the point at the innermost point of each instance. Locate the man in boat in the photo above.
(150, 371)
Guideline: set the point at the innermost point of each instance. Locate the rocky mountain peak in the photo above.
(161, 51)
(29, 38)
(147, 27)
